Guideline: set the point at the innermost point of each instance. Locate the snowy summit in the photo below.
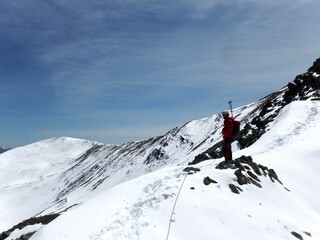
(176, 186)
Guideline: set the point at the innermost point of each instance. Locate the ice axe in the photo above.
(230, 106)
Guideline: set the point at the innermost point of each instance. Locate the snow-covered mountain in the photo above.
(68, 188)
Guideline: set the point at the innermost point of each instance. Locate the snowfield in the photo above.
(167, 202)
(27, 173)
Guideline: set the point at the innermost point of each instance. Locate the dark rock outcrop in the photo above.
(297, 235)
(207, 180)
(247, 172)
(44, 220)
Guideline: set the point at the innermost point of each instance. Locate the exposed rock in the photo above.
(253, 176)
(234, 188)
(307, 233)
(255, 168)
(241, 178)
(4, 235)
(273, 175)
(239, 165)
(315, 67)
(26, 236)
(156, 155)
(226, 165)
(208, 180)
(245, 159)
(243, 166)
(191, 170)
(254, 182)
(211, 153)
(31, 221)
(297, 235)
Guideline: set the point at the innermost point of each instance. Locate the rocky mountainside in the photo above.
(257, 120)
(73, 171)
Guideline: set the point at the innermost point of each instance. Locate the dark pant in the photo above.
(226, 148)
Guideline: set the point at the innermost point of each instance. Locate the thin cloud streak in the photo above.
(14, 112)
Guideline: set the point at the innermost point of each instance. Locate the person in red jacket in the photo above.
(227, 136)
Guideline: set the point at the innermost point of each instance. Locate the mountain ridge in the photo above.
(76, 170)
(134, 218)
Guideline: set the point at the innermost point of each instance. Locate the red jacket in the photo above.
(228, 128)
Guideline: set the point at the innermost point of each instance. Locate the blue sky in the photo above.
(120, 70)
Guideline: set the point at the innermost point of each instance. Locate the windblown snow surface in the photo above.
(169, 203)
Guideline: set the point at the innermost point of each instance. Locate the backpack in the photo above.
(236, 129)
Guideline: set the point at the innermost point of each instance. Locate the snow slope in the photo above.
(161, 201)
(29, 172)
(128, 191)
(141, 208)
(58, 174)
(292, 146)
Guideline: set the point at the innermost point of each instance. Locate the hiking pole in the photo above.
(230, 105)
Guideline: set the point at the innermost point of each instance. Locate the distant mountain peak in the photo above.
(4, 149)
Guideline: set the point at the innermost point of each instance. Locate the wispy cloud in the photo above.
(130, 58)
(7, 111)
